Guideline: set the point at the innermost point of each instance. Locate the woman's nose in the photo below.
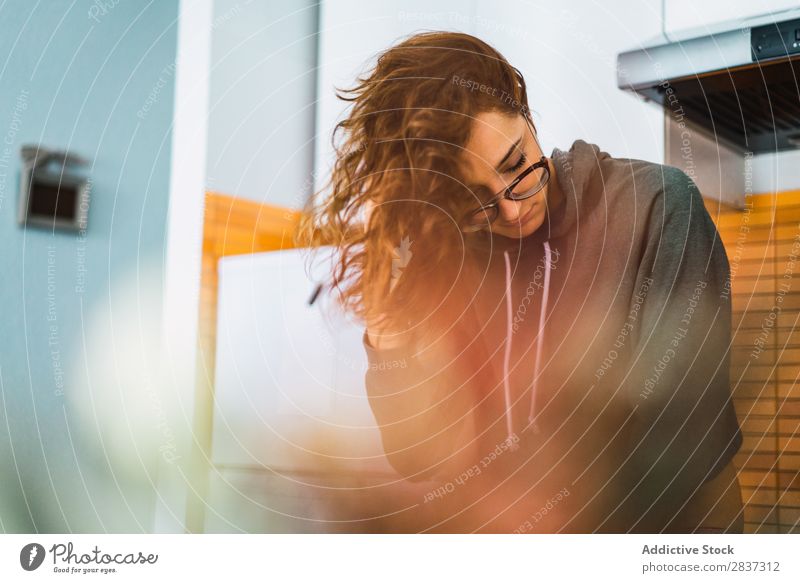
(510, 210)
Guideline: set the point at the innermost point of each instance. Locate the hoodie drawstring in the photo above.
(540, 339)
(539, 342)
(507, 356)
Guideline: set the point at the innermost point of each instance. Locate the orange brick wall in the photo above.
(763, 247)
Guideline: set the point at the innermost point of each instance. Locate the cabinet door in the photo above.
(289, 375)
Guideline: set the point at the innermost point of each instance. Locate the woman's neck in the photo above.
(553, 193)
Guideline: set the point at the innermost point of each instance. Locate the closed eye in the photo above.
(518, 165)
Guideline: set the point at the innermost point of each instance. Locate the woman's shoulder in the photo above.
(630, 189)
(649, 182)
(587, 162)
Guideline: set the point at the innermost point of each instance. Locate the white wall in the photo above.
(567, 55)
(352, 33)
(262, 91)
(775, 172)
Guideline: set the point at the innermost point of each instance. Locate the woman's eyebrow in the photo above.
(510, 151)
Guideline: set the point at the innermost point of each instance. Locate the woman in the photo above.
(563, 322)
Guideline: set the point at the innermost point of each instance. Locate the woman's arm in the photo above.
(423, 412)
(683, 430)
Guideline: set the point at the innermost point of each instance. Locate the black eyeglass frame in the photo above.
(508, 191)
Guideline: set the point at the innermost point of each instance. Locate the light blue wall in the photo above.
(97, 78)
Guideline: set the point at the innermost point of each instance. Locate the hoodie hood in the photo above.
(576, 171)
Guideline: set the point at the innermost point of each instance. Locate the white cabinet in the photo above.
(289, 375)
(295, 447)
(691, 17)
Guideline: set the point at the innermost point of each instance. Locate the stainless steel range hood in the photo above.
(739, 81)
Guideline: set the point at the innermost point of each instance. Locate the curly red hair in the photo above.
(398, 163)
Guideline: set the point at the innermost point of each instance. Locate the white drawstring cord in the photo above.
(507, 357)
(540, 339)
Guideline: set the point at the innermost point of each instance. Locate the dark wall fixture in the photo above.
(54, 189)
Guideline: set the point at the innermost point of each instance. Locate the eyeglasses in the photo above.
(538, 174)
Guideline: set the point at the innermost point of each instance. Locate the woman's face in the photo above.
(497, 144)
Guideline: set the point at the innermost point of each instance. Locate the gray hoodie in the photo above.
(603, 400)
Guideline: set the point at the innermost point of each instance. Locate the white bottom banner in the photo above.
(413, 558)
